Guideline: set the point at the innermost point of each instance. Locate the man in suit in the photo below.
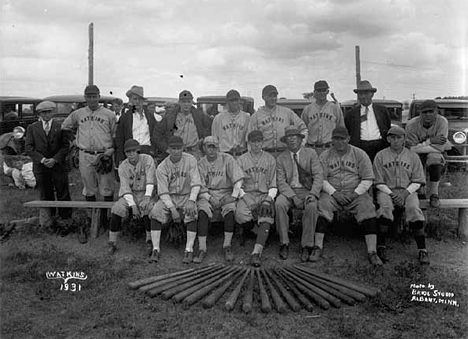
(47, 146)
(368, 123)
(135, 124)
(299, 177)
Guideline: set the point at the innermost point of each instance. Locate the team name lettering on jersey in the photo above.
(92, 118)
(176, 175)
(253, 170)
(395, 163)
(233, 125)
(213, 174)
(346, 163)
(322, 115)
(271, 119)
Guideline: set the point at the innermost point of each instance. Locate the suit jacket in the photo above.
(308, 160)
(353, 123)
(165, 128)
(39, 145)
(125, 132)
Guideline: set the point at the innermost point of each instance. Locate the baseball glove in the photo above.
(103, 164)
(266, 209)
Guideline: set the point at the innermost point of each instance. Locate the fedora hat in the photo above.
(365, 86)
(291, 130)
(138, 90)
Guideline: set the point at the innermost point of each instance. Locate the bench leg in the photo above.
(463, 223)
(45, 217)
(95, 221)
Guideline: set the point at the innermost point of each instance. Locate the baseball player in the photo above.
(398, 175)
(258, 192)
(427, 136)
(230, 126)
(321, 117)
(272, 119)
(137, 175)
(222, 179)
(96, 127)
(347, 176)
(179, 183)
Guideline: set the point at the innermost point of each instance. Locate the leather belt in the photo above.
(325, 145)
(91, 152)
(190, 149)
(273, 150)
(234, 154)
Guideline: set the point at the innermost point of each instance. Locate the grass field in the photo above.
(33, 306)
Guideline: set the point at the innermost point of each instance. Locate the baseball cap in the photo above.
(175, 141)
(269, 89)
(340, 132)
(291, 130)
(211, 140)
(232, 95)
(18, 132)
(185, 95)
(131, 144)
(91, 89)
(321, 84)
(428, 105)
(45, 106)
(396, 130)
(255, 136)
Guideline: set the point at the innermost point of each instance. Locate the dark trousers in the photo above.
(372, 147)
(51, 183)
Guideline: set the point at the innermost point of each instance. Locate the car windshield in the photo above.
(454, 113)
(212, 109)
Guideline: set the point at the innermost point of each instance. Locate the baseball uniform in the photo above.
(231, 130)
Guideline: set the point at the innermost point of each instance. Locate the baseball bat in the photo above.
(210, 300)
(327, 296)
(309, 293)
(248, 296)
(352, 293)
(265, 300)
(188, 291)
(197, 295)
(343, 297)
(159, 285)
(366, 290)
(286, 295)
(299, 295)
(136, 284)
(169, 293)
(279, 303)
(232, 299)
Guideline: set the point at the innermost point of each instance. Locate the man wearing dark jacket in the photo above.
(187, 123)
(368, 123)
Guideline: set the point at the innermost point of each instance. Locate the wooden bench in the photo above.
(462, 205)
(95, 206)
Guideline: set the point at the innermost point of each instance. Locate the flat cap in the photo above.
(255, 136)
(321, 84)
(185, 95)
(340, 132)
(211, 140)
(428, 105)
(268, 90)
(91, 89)
(396, 130)
(175, 141)
(131, 144)
(45, 106)
(232, 95)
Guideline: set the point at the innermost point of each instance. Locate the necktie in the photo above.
(47, 128)
(295, 159)
(364, 117)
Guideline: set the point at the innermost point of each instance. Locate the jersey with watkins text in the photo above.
(135, 178)
(220, 174)
(231, 130)
(260, 174)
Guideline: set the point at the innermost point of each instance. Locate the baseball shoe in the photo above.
(382, 253)
(316, 254)
(149, 248)
(434, 201)
(155, 256)
(228, 254)
(111, 248)
(188, 257)
(305, 254)
(423, 258)
(200, 257)
(374, 259)
(255, 260)
(284, 251)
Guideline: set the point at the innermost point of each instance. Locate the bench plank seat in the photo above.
(462, 205)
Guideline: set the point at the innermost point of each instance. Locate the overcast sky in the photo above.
(407, 47)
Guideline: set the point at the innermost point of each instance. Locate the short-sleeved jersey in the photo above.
(345, 172)
(416, 133)
(179, 178)
(398, 170)
(135, 178)
(272, 122)
(96, 129)
(220, 174)
(260, 174)
(231, 130)
(321, 121)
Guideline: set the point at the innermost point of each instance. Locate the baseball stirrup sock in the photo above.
(155, 225)
(147, 223)
(229, 222)
(190, 241)
(116, 222)
(202, 224)
(202, 243)
(435, 172)
(263, 232)
(155, 238)
(227, 239)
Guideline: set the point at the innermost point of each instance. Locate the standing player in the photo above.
(258, 192)
(137, 177)
(96, 127)
(347, 176)
(222, 177)
(272, 119)
(321, 118)
(230, 126)
(427, 136)
(398, 175)
(178, 182)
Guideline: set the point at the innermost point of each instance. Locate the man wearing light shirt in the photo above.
(347, 176)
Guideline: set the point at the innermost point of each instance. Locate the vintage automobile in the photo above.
(395, 108)
(456, 112)
(214, 104)
(17, 111)
(160, 105)
(296, 105)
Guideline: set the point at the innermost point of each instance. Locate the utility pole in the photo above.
(358, 66)
(91, 55)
